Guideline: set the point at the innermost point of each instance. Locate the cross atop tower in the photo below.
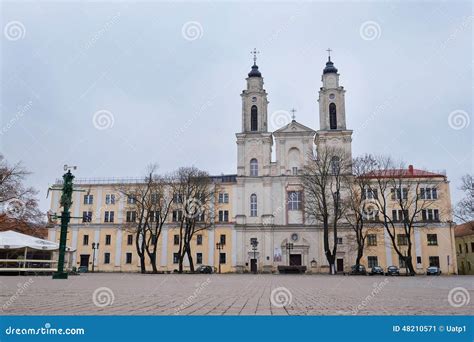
(329, 53)
(254, 53)
(293, 111)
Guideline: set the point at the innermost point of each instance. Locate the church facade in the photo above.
(261, 221)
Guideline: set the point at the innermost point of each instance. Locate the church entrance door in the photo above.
(295, 259)
(253, 265)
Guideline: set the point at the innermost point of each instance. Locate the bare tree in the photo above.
(464, 210)
(18, 203)
(194, 195)
(323, 181)
(402, 202)
(361, 211)
(147, 209)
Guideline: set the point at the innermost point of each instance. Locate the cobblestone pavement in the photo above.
(232, 294)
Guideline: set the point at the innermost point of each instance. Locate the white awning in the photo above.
(14, 240)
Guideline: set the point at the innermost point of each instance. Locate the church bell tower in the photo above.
(254, 142)
(333, 132)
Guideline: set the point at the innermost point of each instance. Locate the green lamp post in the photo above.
(66, 202)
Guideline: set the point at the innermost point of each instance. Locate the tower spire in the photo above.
(254, 72)
(254, 53)
(329, 54)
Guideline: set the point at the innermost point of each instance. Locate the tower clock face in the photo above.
(332, 96)
(331, 81)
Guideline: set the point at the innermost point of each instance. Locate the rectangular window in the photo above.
(432, 239)
(397, 193)
(430, 215)
(222, 239)
(434, 261)
(222, 258)
(175, 258)
(106, 258)
(88, 199)
(87, 216)
(201, 217)
(294, 170)
(418, 259)
(294, 200)
(154, 198)
(223, 216)
(472, 247)
(401, 262)
(176, 239)
(109, 216)
(177, 215)
(108, 238)
(85, 240)
(129, 239)
(199, 239)
(198, 258)
(402, 240)
(369, 193)
(339, 240)
(110, 199)
(128, 257)
(223, 197)
(131, 216)
(177, 198)
(371, 240)
(131, 199)
(372, 261)
(429, 193)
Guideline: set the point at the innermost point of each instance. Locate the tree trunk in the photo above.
(190, 259)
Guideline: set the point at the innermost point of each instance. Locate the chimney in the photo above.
(410, 169)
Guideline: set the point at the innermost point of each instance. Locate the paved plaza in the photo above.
(232, 294)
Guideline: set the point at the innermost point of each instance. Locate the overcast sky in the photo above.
(112, 87)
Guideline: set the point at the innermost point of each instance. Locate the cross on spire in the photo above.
(254, 53)
(293, 111)
(329, 53)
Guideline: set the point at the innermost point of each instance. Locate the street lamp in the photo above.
(254, 243)
(94, 247)
(289, 247)
(219, 247)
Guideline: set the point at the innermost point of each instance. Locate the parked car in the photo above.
(358, 270)
(204, 269)
(433, 270)
(392, 270)
(376, 270)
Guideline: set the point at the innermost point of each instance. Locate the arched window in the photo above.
(254, 167)
(335, 165)
(253, 205)
(254, 118)
(332, 116)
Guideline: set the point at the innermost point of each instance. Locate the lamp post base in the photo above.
(59, 275)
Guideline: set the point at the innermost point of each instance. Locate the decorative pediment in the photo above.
(294, 127)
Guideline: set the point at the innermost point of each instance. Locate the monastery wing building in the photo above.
(260, 219)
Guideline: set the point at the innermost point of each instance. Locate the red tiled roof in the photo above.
(403, 173)
(464, 229)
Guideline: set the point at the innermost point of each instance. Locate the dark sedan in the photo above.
(358, 270)
(433, 270)
(376, 270)
(204, 269)
(392, 271)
